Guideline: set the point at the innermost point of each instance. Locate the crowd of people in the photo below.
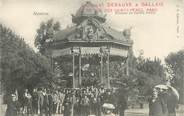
(79, 102)
(87, 101)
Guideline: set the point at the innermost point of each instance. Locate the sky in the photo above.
(156, 34)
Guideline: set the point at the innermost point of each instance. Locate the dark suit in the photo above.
(40, 102)
(171, 104)
(122, 104)
(50, 104)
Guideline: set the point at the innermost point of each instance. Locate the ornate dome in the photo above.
(86, 11)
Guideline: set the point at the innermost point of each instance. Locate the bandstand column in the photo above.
(80, 80)
(52, 63)
(127, 66)
(101, 68)
(73, 66)
(73, 81)
(108, 64)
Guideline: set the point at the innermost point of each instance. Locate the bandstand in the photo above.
(90, 35)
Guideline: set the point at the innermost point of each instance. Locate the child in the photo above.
(108, 109)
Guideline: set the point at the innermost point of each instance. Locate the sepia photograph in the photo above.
(91, 57)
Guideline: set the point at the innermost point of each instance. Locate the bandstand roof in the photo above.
(88, 10)
(90, 32)
(65, 33)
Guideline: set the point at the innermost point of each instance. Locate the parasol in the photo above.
(108, 106)
(175, 92)
(162, 86)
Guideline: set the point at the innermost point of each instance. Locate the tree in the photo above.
(45, 34)
(153, 67)
(20, 66)
(144, 74)
(175, 67)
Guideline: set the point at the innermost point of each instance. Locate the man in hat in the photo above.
(35, 101)
(67, 105)
(122, 102)
(12, 106)
(40, 101)
(108, 97)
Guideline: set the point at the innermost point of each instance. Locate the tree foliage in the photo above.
(175, 67)
(20, 66)
(145, 73)
(45, 33)
(152, 67)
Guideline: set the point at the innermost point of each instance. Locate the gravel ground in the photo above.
(128, 112)
(144, 112)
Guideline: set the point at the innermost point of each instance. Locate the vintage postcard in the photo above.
(92, 57)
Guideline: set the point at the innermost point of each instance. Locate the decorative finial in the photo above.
(127, 32)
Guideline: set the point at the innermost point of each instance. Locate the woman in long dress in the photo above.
(157, 104)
